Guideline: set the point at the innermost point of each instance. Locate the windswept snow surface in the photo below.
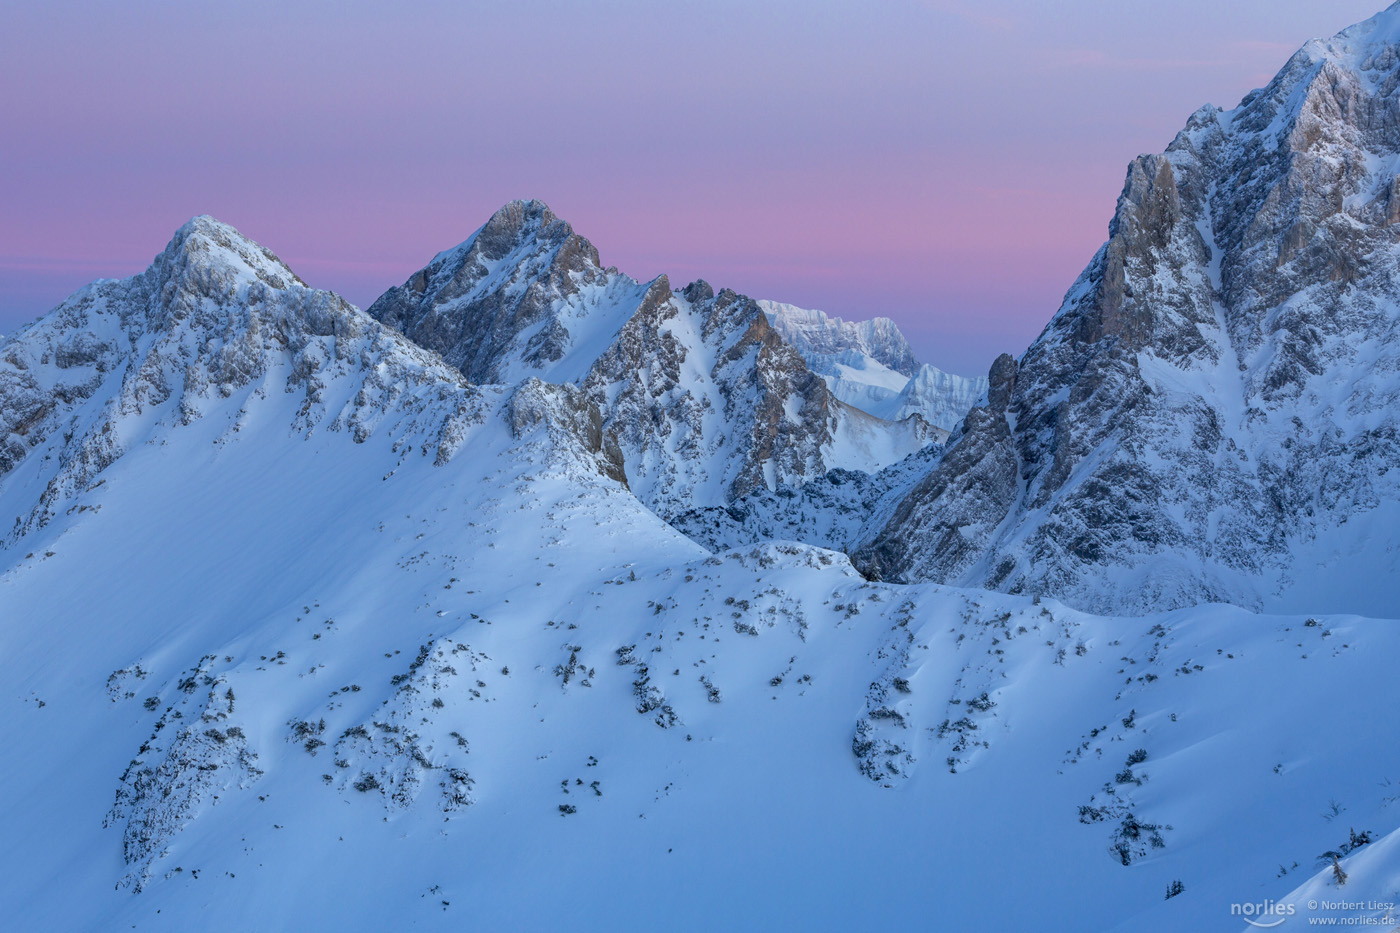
(753, 739)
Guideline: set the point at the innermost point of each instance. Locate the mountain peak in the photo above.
(522, 211)
(513, 225)
(1245, 266)
(1366, 55)
(816, 333)
(1368, 45)
(494, 302)
(207, 248)
(520, 219)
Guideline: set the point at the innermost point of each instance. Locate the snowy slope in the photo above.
(736, 723)
(324, 638)
(1211, 413)
(861, 381)
(939, 398)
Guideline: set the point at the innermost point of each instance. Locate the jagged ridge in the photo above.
(702, 398)
(1216, 394)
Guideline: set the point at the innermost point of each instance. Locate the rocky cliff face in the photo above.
(707, 401)
(1217, 392)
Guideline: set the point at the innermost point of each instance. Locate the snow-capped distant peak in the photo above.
(942, 399)
(816, 334)
(870, 366)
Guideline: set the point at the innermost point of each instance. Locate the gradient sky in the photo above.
(948, 163)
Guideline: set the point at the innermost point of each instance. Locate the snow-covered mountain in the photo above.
(869, 365)
(216, 324)
(1211, 413)
(298, 624)
(939, 398)
(523, 296)
(819, 337)
(702, 398)
(498, 622)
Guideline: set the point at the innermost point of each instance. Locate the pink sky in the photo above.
(952, 165)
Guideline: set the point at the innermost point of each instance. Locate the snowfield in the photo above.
(754, 738)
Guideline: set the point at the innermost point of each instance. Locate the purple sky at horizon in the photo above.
(948, 163)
